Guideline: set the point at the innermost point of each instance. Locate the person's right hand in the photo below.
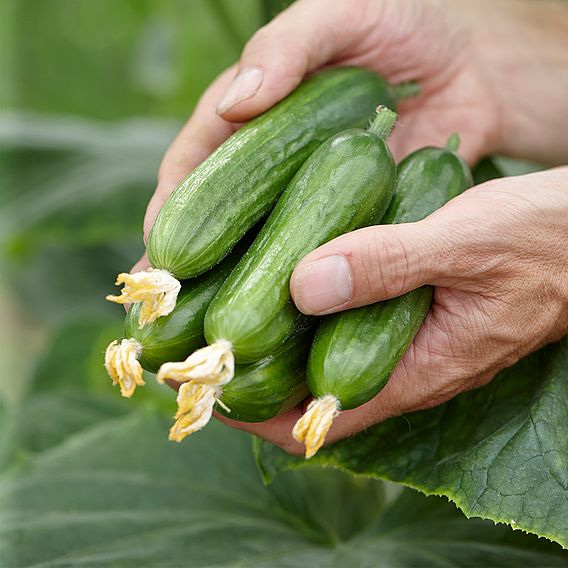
(452, 48)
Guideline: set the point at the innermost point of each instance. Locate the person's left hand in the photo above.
(498, 256)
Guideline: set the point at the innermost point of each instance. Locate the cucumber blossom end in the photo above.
(123, 366)
(195, 408)
(202, 375)
(213, 365)
(312, 428)
(157, 291)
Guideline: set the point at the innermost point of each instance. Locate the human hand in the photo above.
(498, 256)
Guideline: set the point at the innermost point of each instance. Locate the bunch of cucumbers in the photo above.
(214, 316)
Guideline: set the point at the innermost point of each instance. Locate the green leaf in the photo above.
(151, 57)
(57, 283)
(59, 415)
(120, 494)
(500, 452)
(68, 391)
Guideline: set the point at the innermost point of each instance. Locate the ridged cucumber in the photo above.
(241, 181)
(257, 392)
(344, 184)
(355, 352)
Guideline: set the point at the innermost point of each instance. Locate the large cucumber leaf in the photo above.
(500, 452)
(120, 494)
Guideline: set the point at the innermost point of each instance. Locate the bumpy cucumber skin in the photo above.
(346, 182)
(273, 385)
(355, 352)
(427, 179)
(175, 336)
(353, 357)
(240, 182)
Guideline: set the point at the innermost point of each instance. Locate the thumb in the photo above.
(275, 60)
(369, 265)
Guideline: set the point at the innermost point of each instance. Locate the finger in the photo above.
(274, 61)
(369, 265)
(202, 134)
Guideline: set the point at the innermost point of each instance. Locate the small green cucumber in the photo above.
(344, 183)
(355, 352)
(264, 389)
(240, 182)
(257, 392)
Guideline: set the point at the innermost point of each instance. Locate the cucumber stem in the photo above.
(453, 142)
(406, 90)
(383, 122)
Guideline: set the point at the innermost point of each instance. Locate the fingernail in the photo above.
(324, 284)
(244, 86)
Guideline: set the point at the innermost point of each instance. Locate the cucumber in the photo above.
(170, 338)
(345, 182)
(258, 391)
(355, 352)
(241, 181)
(264, 389)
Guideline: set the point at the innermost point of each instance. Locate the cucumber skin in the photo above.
(354, 172)
(353, 357)
(355, 352)
(427, 179)
(273, 385)
(175, 336)
(240, 182)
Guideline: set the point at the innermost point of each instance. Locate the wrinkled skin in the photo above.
(498, 254)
